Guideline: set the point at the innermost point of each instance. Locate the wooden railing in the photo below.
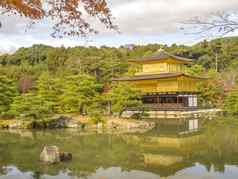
(163, 107)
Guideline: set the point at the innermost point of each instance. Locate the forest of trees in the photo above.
(41, 81)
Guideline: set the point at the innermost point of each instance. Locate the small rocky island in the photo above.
(53, 155)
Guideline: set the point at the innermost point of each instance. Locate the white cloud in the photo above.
(136, 18)
(163, 16)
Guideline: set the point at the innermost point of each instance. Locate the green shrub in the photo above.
(140, 115)
(96, 117)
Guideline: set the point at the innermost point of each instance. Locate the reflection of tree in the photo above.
(36, 175)
(1, 170)
(208, 166)
(220, 167)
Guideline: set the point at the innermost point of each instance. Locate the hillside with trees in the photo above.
(41, 81)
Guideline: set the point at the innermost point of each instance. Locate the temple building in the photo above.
(163, 80)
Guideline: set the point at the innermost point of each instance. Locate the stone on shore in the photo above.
(63, 122)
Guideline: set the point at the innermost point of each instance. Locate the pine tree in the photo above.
(31, 106)
(49, 89)
(123, 96)
(78, 92)
(8, 91)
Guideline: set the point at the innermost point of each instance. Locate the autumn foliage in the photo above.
(68, 16)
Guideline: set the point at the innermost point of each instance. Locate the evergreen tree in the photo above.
(49, 88)
(8, 91)
(56, 58)
(31, 106)
(78, 93)
(123, 96)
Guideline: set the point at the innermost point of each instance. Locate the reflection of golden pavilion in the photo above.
(164, 154)
(163, 160)
(163, 79)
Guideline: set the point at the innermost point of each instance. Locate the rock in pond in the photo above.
(65, 156)
(52, 154)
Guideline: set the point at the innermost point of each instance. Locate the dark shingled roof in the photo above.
(155, 76)
(161, 55)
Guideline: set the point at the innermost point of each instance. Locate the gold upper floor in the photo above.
(161, 62)
(160, 67)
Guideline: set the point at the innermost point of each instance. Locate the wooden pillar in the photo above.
(158, 100)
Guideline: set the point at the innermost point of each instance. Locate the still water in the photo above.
(169, 151)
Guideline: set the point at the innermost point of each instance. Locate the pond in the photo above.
(168, 151)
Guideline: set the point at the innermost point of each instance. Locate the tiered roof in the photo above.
(161, 55)
(155, 76)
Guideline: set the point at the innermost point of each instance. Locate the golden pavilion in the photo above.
(164, 82)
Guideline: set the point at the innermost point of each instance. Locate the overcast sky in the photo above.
(140, 21)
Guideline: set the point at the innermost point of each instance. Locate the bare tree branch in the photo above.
(218, 24)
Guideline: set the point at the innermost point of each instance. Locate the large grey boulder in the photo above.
(52, 154)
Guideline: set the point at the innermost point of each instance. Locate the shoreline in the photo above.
(74, 121)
